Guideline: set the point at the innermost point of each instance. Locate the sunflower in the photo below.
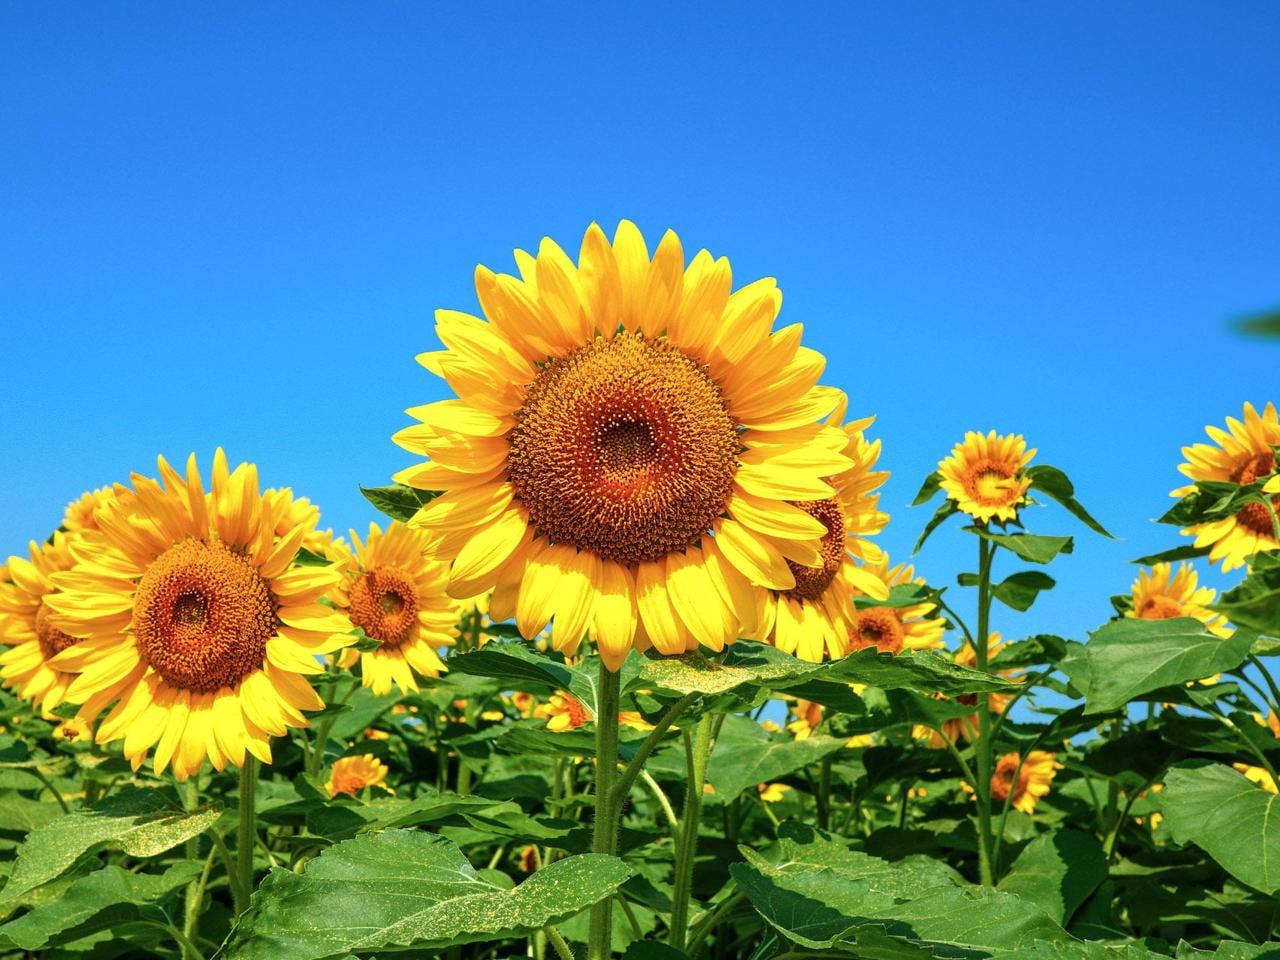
(816, 616)
(563, 712)
(894, 629)
(1259, 775)
(350, 775)
(985, 475)
(1164, 595)
(80, 512)
(626, 448)
(395, 594)
(1033, 775)
(963, 728)
(773, 792)
(294, 512)
(25, 625)
(1244, 454)
(808, 716)
(192, 622)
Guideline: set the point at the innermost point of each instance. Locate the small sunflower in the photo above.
(626, 449)
(294, 512)
(396, 595)
(192, 621)
(1259, 775)
(73, 730)
(350, 775)
(25, 625)
(773, 792)
(1244, 453)
(894, 629)
(807, 716)
(563, 712)
(985, 475)
(1165, 595)
(816, 616)
(1033, 779)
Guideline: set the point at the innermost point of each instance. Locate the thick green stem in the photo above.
(605, 835)
(245, 841)
(697, 752)
(195, 889)
(983, 747)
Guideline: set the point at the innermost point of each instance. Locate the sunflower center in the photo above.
(202, 616)
(877, 627)
(576, 712)
(52, 640)
(623, 447)
(991, 483)
(1002, 779)
(812, 582)
(1257, 518)
(384, 604)
(1256, 466)
(1160, 608)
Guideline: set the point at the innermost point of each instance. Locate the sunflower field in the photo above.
(625, 673)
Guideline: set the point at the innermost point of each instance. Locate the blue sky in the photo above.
(231, 226)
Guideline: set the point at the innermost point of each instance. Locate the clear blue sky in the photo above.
(231, 225)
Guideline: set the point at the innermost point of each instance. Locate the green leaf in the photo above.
(1057, 872)
(398, 501)
(1056, 485)
(99, 901)
(932, 484)
(514, 662)
(819, 894)
(1255, 602)
(1260, 324)
(1174, 554)
(945, 509)
(1129, 657)
(744, 756)
(309, 558)
(141, 822)
(1019, 590)
(1028, 546)
(404, 888)
(1212, 500)
(1229, 818)
(341, 819)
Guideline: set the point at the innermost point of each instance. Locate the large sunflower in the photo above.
(817, 614)
(1164, 595)
(894, 629)
(25, 626)
(626, 448)
(397, 596)
(194, 624)
(985, 475)
(1244, 453)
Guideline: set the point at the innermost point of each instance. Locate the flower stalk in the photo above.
(605, 835)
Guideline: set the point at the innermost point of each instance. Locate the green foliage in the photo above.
(1255, 603)
(398, 501)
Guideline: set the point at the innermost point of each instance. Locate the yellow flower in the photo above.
(1258, 775)
(633, 719)
(1033, 779)
(628, 441)
(396, 595)
(773, 792)
(74, 730)
(350, 775)
(985, 475)
(807, 717)
(1243, 454)
(529, 858)
(523, 702)
(959, 728)
(1164, 595)
(815, 616)
(770, 726)
(563, 711)
(374, 734)
(194, 624)
(25, 625)
(294, 512)
(80, 512)
(860, 740)
(890, 629)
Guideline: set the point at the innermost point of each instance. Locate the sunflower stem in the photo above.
(605, 836)
(697, 751)
(245, 835)
(983, 787)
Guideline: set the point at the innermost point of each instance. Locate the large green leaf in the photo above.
(1057, 872)
(819, 895)
(1255, 602)
(513, 662)
(1229, 817)
(398, 501)
(141, 822)
(1020, 590)
(1129, 657)
(1056, 485)
(1029, 546)
(98, 901)
(405, 889)
(745, 756)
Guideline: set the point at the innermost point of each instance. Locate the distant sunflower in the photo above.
(985, 475)
(194, 623)
(397, 597)
(773, 792)
(294, 512)
(1165, 595)
(1244, 453)
(628, 443)
(1259, 775)
(350, 775)
(894, 629)
(79, 516)
(816, 616)
(1028, 782)
(25, 626)
(962, 728)
(563, 712)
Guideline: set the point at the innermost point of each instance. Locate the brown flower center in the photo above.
(624, 447)
(1259, 465)
(52, 640)
(384, 604)
(202, 616)
(1256, 517)
(1002, 780)
(576, 712)
(877, 627)
(992, 482)
(1160, 608)
(812, 582)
